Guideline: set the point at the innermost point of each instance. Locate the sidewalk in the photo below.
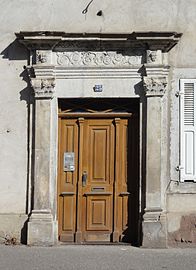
(75, 257)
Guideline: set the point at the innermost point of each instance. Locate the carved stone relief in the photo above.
(43, 57)
(154, 86)
(153, 57)
(91, 58)
(43, 88)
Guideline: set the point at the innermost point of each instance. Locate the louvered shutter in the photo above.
(188, 130)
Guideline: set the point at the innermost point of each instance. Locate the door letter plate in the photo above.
(69, 162)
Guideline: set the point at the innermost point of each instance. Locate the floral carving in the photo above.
(43, 88)
(63, 60)
(88, 58)
(107, 60)
(96, 59)
(154, 86)
(75, 58)
(118, 58)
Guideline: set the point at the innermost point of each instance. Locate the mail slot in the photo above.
(69, 162)
(97, 189)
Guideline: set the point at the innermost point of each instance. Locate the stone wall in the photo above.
(181, 217)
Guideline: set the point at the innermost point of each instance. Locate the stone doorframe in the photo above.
(65, 65)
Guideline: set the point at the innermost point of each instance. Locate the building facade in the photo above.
(98, 122)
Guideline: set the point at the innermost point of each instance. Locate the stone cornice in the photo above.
(163, 41)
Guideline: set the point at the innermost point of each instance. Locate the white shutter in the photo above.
(188, 130)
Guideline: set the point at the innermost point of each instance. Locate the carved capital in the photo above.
(154, 86)
(43, 88)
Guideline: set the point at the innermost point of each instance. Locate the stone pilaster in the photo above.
(42, 229)
(154, 234)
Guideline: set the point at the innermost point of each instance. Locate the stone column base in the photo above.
(42, 229)
(154, 229)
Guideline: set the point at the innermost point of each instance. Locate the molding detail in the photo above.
(41, 215)
(96, 59)
(43, 88)
(154, 86)
(152, 215)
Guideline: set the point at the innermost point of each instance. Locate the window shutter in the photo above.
(187, 130)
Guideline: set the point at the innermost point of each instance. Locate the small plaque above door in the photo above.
(69, 162)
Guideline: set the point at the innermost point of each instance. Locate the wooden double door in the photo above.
(92, 186)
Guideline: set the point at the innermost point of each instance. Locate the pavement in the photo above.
(92, 257)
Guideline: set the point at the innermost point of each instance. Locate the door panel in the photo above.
(93, 198)
(99, 148)
(98, 163)
(67, 181)
(98, 213)
(99, 153)
(68, 207)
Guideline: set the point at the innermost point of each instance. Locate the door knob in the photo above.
(84, 178)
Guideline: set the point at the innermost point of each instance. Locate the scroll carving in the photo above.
(97, 59)
(154, 86)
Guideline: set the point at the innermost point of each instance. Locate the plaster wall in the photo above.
(123, 16)
(180, 199)
(181, 216)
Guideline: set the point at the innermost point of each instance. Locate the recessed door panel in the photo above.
(99, 149)
(99, 154)
(68, 213)
(98, 213)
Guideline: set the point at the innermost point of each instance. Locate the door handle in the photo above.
(84, 178)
